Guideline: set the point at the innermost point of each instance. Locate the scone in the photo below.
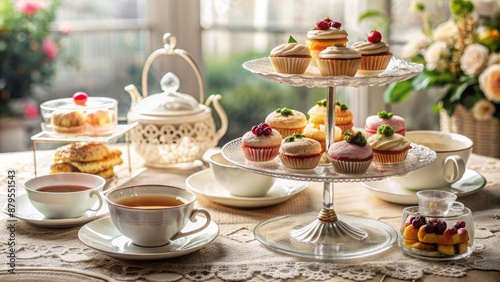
(287, 121)
(343, 117)
(396, 122)
(338, 61)
(375, 54)
(87, 157)
(353, 155)
(261, 144)
(300, 152)
(324, 34)
(317, 114)
(72, 122)
(291, 57)
(388, 147)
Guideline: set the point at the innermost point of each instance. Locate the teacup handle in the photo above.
(457, 206)
(458, 165)
(99, 198)
(192, 217)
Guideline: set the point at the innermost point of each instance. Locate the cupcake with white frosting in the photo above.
(300, 152)
(375, 54)
(324, 34)
(339, 61)
(291, 57)
(388, 147)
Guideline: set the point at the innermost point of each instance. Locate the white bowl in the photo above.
(238, 181)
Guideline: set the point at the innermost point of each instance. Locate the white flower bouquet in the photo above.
(462, 55)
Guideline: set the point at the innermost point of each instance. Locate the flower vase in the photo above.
(485, 134)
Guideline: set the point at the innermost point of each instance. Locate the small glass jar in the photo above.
(63, 116)
(437, 237)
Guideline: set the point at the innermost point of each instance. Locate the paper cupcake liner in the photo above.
(290, 65)
(350, 166)
(300, 162)
(260, 154)
(375, 62)
(343, 120)
(347, 67)
(389, 157)
(345, 127)
(289, 131)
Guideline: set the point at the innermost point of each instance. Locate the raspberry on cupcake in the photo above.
(261, 144)
(300, 152)
(291, 57)
(324, 34)
(287, 121)
(388, 147)
(353, 155)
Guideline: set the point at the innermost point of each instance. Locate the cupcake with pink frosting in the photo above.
(353, 155)
(385, 118)
(261, 144)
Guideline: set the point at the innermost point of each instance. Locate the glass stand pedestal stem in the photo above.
(327, 228)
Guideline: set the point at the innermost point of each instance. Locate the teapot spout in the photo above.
(135, 95)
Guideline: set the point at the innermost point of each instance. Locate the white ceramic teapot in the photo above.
(174, 128)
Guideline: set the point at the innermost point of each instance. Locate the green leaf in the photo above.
(292, 40)
(428, 79)
(398, 92)
(459, 90)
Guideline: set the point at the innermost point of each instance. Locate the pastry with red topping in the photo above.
(396, 122)
(375, 54)
(291, 57)
(300, 152)
(353, 155)
(324, 34)
(261, 144)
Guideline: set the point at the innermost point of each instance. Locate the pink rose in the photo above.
(66, 28)
(489, 82)
(31, 109)
(29, 7)
(50, 48)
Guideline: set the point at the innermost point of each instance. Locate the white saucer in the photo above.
(390, 191)
(204, 184)
(26, 211)
(102, 235)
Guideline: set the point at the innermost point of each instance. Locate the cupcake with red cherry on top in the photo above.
(353, 155)
(396, 122)
(261, 144)
(375, 54)
(325, 33)
(388, 147)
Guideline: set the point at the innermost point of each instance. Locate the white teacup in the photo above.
(453, 151)
(153, 215)
(65, 195)
(237, 181)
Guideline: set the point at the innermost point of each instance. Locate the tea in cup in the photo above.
(437, 203)
(452, 150)
(153, 215)
(65, 195)
(238, 181)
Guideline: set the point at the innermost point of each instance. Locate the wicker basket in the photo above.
(485, 134)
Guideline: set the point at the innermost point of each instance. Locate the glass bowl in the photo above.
(445, 237)
(97, 117)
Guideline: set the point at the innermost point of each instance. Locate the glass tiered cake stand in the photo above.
(328, 235)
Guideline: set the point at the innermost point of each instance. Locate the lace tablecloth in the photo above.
(235, 255)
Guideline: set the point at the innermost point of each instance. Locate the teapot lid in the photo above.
(170, 102)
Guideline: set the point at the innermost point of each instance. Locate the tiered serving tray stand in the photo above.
(328, 235)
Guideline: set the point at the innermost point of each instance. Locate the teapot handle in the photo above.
(222, 115)
(169, 42)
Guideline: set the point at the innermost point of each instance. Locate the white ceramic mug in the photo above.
(453, 151)
(153, 215)
(65, 195)
(237, 181)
